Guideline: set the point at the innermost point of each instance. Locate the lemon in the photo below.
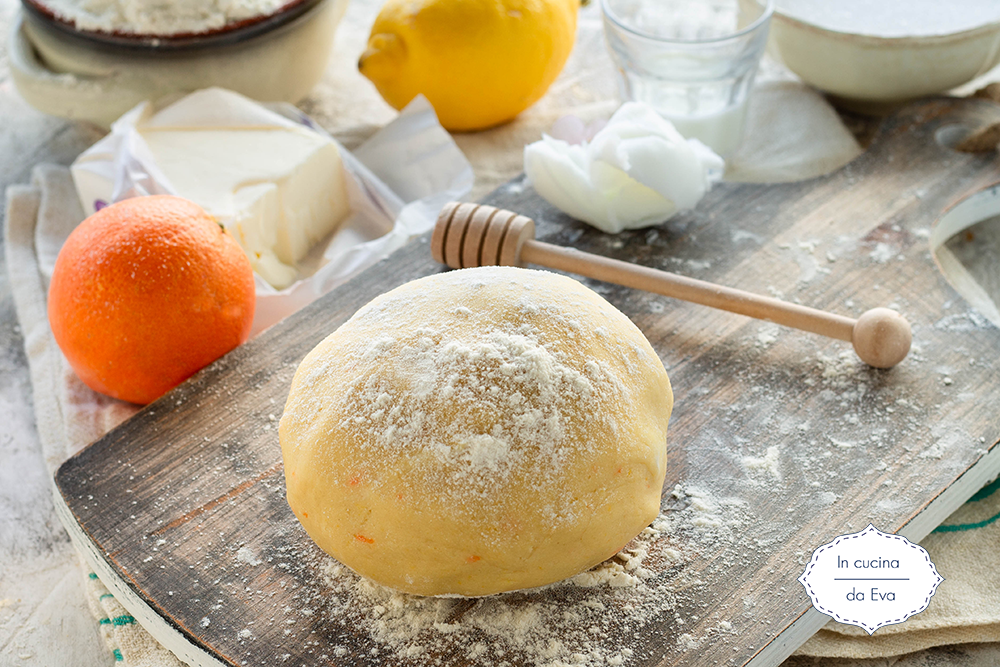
(478, 62)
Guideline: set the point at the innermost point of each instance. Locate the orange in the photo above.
(147, 291)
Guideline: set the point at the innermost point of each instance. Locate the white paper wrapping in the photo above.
(398, 181)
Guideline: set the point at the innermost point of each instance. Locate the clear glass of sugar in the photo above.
(692, 60)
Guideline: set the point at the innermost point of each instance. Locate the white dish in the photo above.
(85, 80)
(870, 63)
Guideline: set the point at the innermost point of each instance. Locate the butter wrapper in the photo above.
(339, 212)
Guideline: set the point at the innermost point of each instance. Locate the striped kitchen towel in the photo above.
(128, 642)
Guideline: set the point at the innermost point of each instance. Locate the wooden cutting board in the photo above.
(779, 442)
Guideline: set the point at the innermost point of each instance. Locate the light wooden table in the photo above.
(62, 631)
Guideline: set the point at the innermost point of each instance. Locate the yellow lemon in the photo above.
(479, 62)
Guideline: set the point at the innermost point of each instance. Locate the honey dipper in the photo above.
(468, 235)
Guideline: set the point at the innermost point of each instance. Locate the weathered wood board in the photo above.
(779, 442)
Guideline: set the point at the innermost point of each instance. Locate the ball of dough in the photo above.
(477, 431)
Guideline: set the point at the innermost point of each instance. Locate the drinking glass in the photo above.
(692, 60)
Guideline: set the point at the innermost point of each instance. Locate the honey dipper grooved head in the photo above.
(881, 337)
(469, 235)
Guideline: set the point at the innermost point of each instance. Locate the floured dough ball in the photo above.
(477, 431)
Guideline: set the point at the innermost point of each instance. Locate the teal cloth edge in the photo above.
(982, 494)
(986, 491)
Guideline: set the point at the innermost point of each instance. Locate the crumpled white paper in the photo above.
(635, 172)
(398, 181)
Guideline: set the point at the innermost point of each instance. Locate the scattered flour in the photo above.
(826, 498)
(842, 444)
(706, 518)
(882, 253)
(691, 642)
(842, 371)
(246, 555)
(740, 235)
(705, 510)
(767, 335)
(580, 621)
(968, 321)
(769, 463)
(945, 438)
(889, 504)
(624, 570)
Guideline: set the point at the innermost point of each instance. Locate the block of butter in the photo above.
(277, 190)
(277, 186)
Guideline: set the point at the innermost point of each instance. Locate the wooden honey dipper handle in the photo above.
(468, 235)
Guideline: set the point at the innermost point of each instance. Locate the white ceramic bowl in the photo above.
(872, 73)
(84, 78)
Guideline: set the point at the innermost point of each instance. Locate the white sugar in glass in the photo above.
(692, 60)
